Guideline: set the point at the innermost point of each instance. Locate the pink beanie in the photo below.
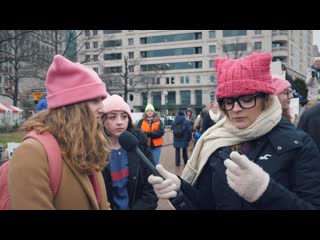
(116, 103)
(247, 75)
(279, 84)
(214, 103)
(315, 59)
(68, 83)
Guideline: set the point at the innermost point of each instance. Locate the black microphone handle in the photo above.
(147, 162)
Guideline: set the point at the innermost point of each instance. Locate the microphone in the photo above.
(129, 142)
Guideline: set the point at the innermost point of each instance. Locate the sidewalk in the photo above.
(167, 160)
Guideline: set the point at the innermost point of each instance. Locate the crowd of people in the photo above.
(247, 151)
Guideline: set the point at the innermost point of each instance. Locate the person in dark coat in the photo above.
(126, 175)
(309, 122)
(206, 121)
(181, 141)
(251, 159)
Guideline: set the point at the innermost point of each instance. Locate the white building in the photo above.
(173, 69)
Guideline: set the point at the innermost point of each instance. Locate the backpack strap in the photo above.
(50, 144)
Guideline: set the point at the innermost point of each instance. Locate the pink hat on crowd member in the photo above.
(279, 84)
(68, 83)
(247, 75)
(116, 103)
(315, 59)
(214, 104)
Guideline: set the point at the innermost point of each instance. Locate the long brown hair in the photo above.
(78, 132)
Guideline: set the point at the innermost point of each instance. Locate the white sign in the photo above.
(294, 106)
(276, 68)
(136, 116)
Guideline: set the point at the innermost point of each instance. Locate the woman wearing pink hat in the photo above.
(125, 176)
(284, 92)
(252, 158)
(75, 94)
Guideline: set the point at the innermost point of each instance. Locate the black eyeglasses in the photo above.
(289, 93)
(244, 101)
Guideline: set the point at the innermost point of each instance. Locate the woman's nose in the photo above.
(236, 107)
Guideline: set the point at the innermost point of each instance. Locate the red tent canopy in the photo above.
(10, 107)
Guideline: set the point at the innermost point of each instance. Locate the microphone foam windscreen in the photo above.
(128, 141)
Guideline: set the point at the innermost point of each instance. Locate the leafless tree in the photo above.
(148, 81)
(133, 81)
(17, 48)
(27, 54)
(237, 48)
(63, 42)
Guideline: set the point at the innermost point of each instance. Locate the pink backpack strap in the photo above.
(50, 144)
(4, 191)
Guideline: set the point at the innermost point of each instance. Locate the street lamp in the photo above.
(165, 106)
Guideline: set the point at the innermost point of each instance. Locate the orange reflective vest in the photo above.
(154, 127)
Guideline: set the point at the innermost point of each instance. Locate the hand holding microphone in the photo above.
(129, 142)
(165, 184)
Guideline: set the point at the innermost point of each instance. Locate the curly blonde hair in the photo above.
(79, 134)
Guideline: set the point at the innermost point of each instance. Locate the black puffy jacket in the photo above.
(141, 193)
(290, 157)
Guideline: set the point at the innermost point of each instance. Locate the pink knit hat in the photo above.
(116, 103)
(247, 75)
(68, 83)
(214, 103)
(315, 59)
(279, 84)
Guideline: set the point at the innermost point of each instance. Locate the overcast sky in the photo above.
(316, 38)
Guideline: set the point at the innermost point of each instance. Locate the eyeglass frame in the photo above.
(288, 93)
(237, 99)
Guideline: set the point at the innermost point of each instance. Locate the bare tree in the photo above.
(149, 80)
(17, 48)
(118, 81)
(237, 48)
(132, 81)
(27, 54)
(63, 42)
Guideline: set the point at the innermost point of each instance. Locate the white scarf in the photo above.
(224, 133)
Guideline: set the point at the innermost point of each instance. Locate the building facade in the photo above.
(173, 69)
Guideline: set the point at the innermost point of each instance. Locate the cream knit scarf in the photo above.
(223, 134)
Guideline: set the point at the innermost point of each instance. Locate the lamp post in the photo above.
(165, 106)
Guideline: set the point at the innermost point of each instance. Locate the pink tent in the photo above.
(12, 108)
(10, 114)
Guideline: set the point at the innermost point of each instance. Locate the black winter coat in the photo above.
(206, 123)
(141, 193)
(290, 157)
(182, 142)
(309, 122)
